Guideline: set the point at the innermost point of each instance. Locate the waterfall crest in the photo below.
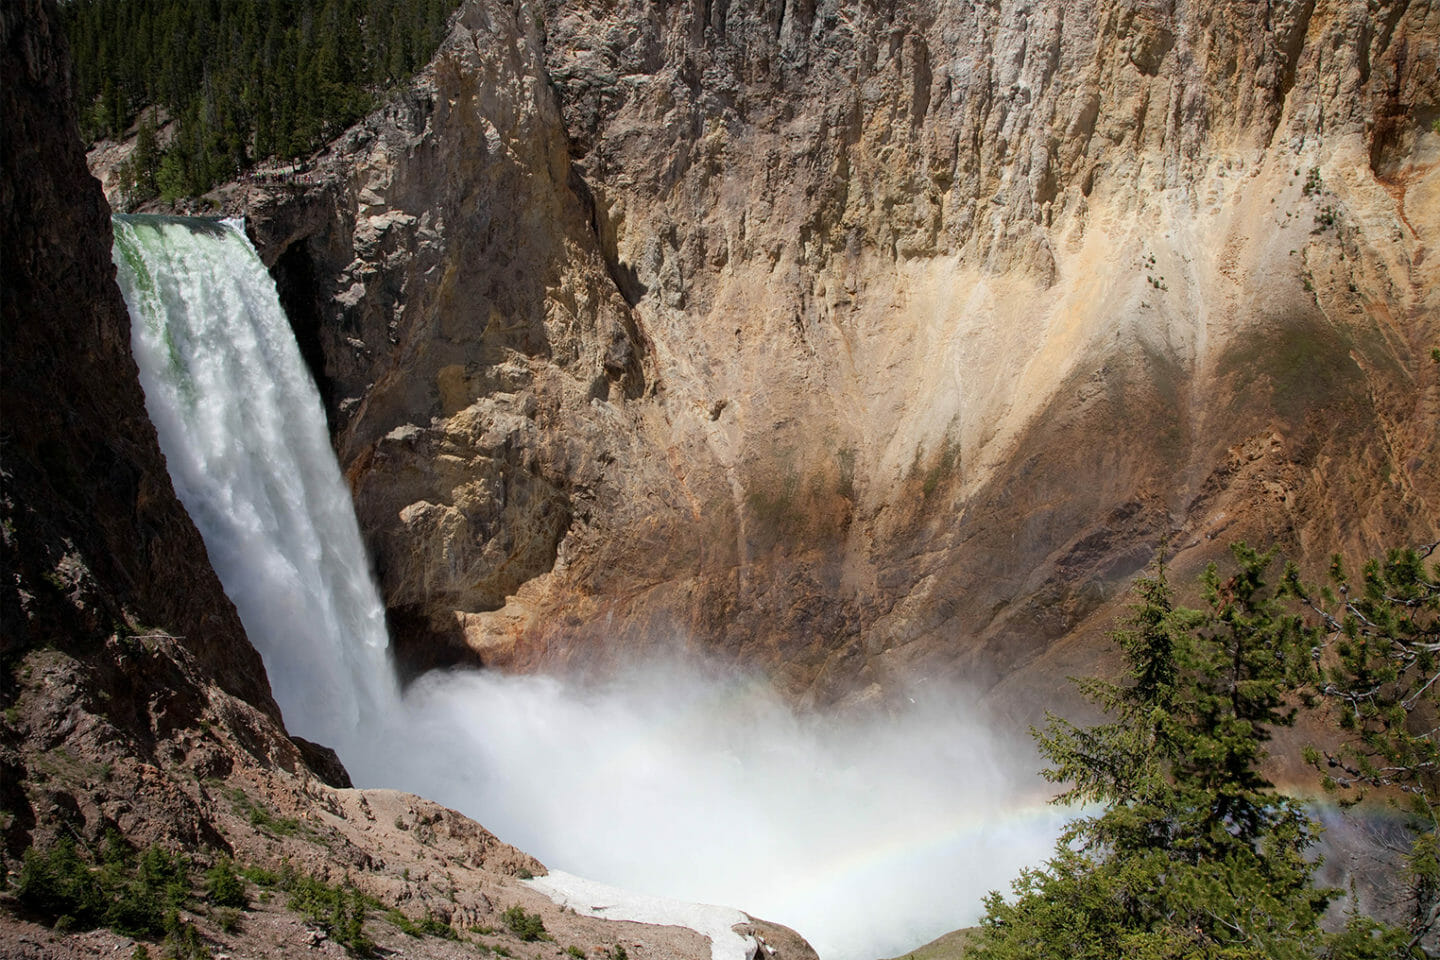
(244, 434)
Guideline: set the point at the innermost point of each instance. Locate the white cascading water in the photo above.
(868, 837)
(245, 439)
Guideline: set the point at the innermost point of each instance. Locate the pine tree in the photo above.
(1376, 663)
(147, 156)
(242, 81)
(1193, 853)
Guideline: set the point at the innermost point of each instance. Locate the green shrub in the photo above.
(433, 926)
(182, 940)
(260, 816)
(223, 888)
(131, 897)
(429, 926)
(58, 885)
(158, 887)
(526, 926)
(137, 911)
(339, 911)
(261, 877)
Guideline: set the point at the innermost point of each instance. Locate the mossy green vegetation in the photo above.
(142, 894)
(261, 816)
(428, 926)
(223, 887)
(134, 894)
(340, 910)
(936, 470)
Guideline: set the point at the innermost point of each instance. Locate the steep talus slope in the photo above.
(130, 699)
(853, 341)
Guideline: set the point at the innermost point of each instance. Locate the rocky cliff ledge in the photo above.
(855, 340)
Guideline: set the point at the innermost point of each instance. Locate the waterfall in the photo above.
(244, 434)
(867, 835)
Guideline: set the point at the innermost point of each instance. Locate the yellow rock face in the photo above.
(859, 343)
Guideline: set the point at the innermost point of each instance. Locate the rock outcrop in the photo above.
(441, 264)
(853, 341)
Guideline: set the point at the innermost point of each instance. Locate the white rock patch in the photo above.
(592, 899)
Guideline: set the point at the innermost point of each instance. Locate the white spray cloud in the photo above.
(869, 835)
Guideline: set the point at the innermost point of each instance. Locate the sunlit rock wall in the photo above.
(852, 341)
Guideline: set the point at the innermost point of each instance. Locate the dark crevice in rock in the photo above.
(418, 647)
(1289, 46)
(294, 273)
(623, 274)
(628, 345)
(921, 80)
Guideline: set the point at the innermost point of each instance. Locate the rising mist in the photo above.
(868, 834)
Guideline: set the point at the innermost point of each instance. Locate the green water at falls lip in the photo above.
(211, 226)
(128, 240)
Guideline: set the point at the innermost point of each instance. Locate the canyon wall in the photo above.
(94, 536)
(857, 341)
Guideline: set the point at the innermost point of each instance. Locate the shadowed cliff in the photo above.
(95, 540)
